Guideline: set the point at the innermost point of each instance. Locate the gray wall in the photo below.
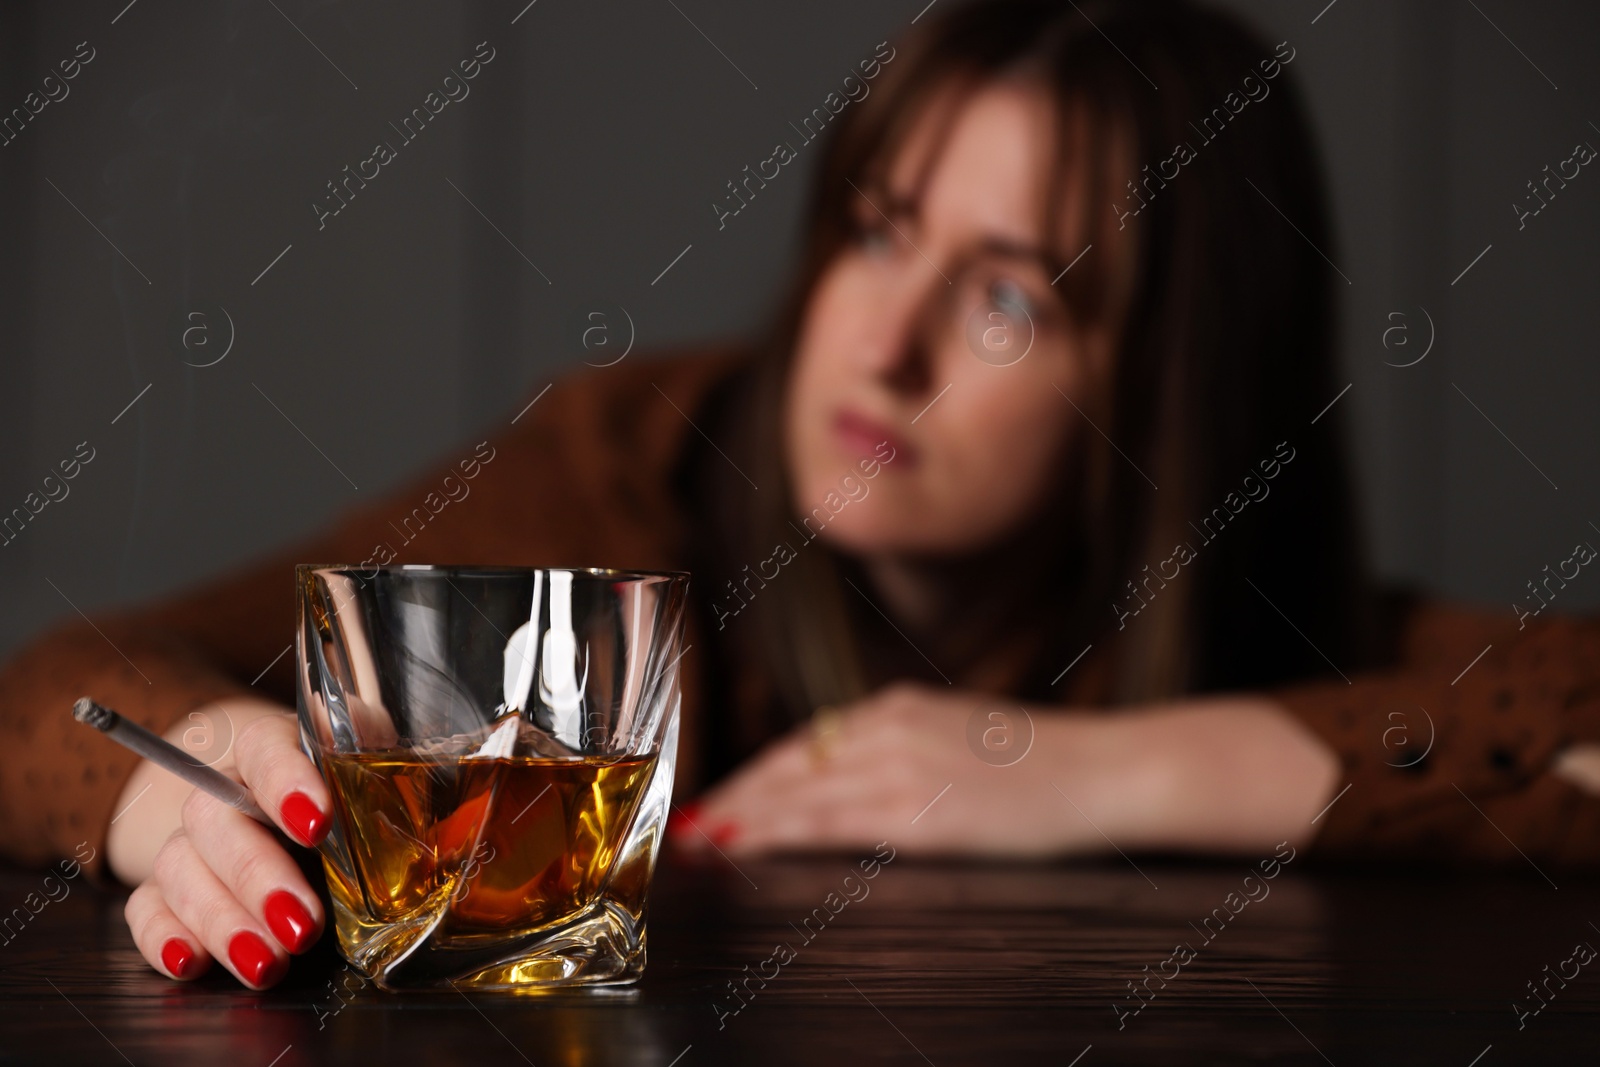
(198, 138)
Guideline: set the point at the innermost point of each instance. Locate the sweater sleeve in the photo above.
(1446, 756)
(582, 480)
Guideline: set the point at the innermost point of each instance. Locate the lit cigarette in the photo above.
(164, 753)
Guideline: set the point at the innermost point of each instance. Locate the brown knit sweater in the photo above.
(586, 478)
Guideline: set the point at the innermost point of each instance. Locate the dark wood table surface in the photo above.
(940, 963)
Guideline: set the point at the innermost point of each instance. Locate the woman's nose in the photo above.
(901, 339)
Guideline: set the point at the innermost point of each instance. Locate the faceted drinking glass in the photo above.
(500, 745)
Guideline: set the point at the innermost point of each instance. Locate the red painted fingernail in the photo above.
(303, 817)
(682, 820)
(176, 956)
(251, 957)
(723, 835)
(289, 922)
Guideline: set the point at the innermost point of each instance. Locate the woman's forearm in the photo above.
(1223, 774)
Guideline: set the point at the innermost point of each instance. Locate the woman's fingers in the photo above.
(223, 926)
(255, 869)
(165, 942)
(789, 761)
(285, 783)
(875, 769)
(1580, 765)
(223, 886)
(788, 798)
(716, 818)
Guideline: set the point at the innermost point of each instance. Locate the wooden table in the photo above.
(939, 963)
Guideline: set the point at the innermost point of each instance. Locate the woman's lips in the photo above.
(861, 436)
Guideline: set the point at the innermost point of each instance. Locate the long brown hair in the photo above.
(1225, 356)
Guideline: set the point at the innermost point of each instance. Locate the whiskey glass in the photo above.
(500, 745)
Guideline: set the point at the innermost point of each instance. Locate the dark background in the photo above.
(593, 145)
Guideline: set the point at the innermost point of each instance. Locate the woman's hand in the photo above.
(894, 767)
(917, 766)
(213, 883)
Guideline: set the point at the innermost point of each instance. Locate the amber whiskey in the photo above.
(501, 845)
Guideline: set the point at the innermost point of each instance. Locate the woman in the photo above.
(1024, 501)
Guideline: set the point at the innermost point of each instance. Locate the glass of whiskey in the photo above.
(500, 745)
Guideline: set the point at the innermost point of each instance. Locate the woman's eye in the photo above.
(873, 240)
(1009, 298)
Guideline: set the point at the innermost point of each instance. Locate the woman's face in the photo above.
(933, 349)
